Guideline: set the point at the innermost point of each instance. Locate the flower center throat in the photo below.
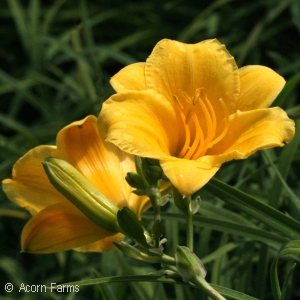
(200, 125)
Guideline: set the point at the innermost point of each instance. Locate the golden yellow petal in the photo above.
(141, 123)
(102, 245)
(174, 67)
(131, 77)
(188, 176)
(259, 87)
(103, 164)
(251, 131)
(60, 227)
(29, 186)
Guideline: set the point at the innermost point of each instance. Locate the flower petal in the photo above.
(251, 131)
(61, 227)
(103, 164)
(29, 186)
(131, 77)
(188, 176)
(141, 123)
(105, 244)
(174, 67)
(259, 87)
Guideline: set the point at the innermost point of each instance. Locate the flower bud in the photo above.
(139, 192)
(131, 226)
(183, 203)
(141, 167)
(81, 192)
(135, 180)
(188, 265)
(154, 172)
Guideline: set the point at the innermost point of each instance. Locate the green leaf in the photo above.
(290, 193)
(284, 165)
(274, 280)
(163, 279)
(286, 281)
(254, 208)
(256, 234)
(290, 248)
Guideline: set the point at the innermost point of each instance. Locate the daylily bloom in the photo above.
(57, 224)
(191, 108)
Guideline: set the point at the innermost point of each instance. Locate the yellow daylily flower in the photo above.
(57, 224)
(190, 107)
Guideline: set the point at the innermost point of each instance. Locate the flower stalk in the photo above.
(184, 204)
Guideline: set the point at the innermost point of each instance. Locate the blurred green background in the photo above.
(56, 59)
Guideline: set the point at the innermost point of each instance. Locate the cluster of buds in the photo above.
(103, 212)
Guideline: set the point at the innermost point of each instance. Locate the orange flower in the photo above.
(190, 107)
(57, 224)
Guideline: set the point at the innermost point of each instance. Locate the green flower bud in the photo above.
(183, 203)
(141, 167)
(154, 172)
(153, 162)
(135, 180)
(140, 192)
(188, 265)
(81, 192)
(149, 172)
(131, 226)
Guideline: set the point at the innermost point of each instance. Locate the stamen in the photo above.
(210, 130)
(225, 130)
(198, 140)
(192, 131)
(187, 134)
(186, 97)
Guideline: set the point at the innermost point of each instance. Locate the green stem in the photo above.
(205, 286)
(189, 229)
(155, 207)
(156, 212)
(168, 260)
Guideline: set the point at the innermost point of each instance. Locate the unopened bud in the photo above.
(135, 180)
(139, 192)
(82, 193)
(188, 265)
(131, 226)
(183, 203)
(154, 172)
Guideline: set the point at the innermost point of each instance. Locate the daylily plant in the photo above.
(57, 224)
(191, 108)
